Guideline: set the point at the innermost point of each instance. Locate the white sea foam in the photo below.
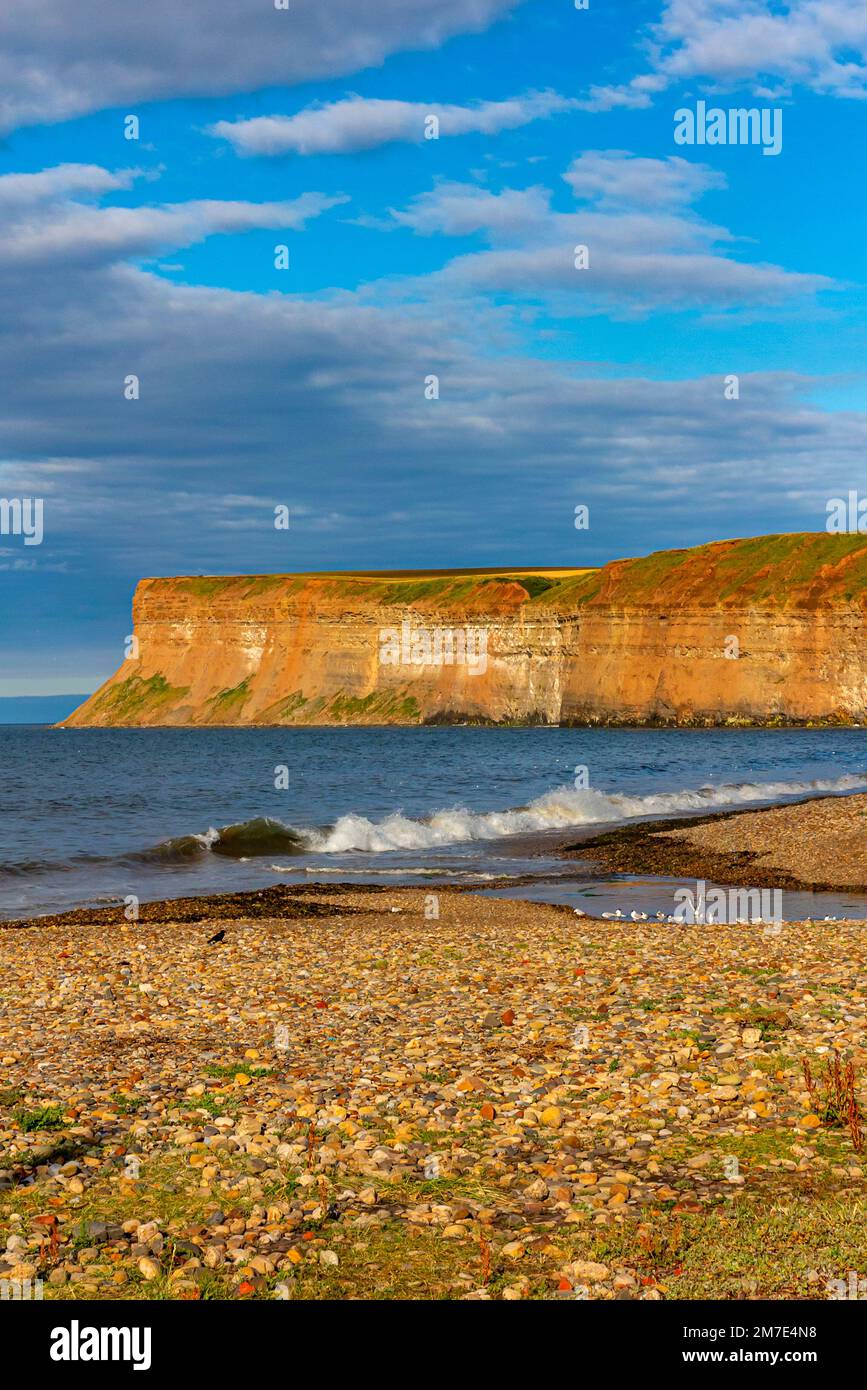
(558, 809)
(462, 874)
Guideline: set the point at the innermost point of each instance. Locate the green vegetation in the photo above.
(378, 705)
(534, 584)
(225, 706)
(201, 587)
(127, 1104)
(264, 583)
(45, 1117)
(445, 589)
(136, 700)
(776, 570)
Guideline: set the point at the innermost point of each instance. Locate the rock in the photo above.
(552, 1117)
(394, 1111)
(587, 1271)
(514, 1250)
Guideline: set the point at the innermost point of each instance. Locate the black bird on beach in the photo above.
(217, 937)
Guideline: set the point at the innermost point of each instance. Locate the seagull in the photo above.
(216, 938)
(638, 916)
(578, 912)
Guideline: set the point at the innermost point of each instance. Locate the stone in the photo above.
(514, 1250)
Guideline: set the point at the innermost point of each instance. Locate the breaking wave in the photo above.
(559, 809)
(562, 808)
(245, 840)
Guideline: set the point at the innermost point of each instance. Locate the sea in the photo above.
(91, 817)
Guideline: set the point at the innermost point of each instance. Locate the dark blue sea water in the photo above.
(91, 816)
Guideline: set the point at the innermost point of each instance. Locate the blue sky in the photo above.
(410, 257)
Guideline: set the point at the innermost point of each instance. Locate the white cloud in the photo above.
(284, 399)
(45, 221)
(61, 59)
(21, 190)
(458, 209)
(637, 279)
(648, 248)
(613, 178)
(820, 44)
(361, 123)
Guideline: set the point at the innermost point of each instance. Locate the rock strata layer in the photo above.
(765, 630)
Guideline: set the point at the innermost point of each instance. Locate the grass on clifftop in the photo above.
(398, 590)
(806, 569)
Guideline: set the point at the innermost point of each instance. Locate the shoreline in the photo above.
(670, 847)
(448, 720)
(694, 848)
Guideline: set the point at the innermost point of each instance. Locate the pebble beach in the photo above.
(405, 1094)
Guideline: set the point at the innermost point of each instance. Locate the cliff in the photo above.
(754, 631)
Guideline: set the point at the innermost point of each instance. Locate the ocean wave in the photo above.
(243, 840)
(562, 808)
(559, 809)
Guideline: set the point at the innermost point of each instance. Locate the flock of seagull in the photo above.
(663, 917)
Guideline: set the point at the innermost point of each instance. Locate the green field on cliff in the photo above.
(801, 568)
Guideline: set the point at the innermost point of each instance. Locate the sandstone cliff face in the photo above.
(763, 630)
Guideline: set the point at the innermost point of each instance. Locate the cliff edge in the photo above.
(765, 630)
